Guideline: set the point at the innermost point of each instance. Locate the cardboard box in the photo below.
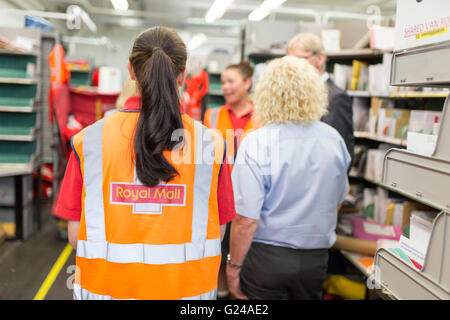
(420, 23)
(408, 208)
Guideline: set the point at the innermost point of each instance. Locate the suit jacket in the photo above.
(340, 114)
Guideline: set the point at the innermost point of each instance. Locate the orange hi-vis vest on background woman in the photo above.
(137, 242)
(219, 119)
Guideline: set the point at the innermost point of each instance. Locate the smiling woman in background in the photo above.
(232, 121)
(236, 115)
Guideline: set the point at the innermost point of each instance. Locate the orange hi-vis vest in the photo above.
(219, 119)
(137, 242)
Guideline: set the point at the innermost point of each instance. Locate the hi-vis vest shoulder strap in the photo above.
(137, 242)
(219, 119)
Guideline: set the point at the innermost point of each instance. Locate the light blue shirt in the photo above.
(292, 179)
(324, 76)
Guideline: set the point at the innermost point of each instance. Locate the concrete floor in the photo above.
(24, 265)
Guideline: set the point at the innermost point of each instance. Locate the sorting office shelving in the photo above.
(432, 282)
(423, 178)
(214, 97)
(20, 129)
(19, 120)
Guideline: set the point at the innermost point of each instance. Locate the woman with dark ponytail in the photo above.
(146, 191)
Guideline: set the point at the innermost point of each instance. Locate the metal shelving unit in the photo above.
(367, 135)
(423, 178)
(398, 94)
(214, 97)
(20, 130)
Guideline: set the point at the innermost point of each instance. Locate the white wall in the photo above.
(10, 20)
(122, 40)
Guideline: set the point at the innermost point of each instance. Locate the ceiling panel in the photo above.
(190, 13)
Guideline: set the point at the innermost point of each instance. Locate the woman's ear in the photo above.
(181, 78)
(131, 71)
(247, 83)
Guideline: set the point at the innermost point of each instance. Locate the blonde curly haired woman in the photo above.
(289, 178)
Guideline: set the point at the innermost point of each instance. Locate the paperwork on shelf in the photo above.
(378, 230)
(393, 122)
(378, 75)
(382, 38)
(361, 110)
(342, 75)
(331, 39)
(413, 253)
(421, 143)
(25, 43)
(373, 231)
(422, 121)
(413, 249)
(109, 80)
(359, 75)
(19, 44)
(421, 225)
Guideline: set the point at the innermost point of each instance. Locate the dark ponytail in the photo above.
(158, 57)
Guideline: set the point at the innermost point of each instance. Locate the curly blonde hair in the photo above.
(290, 89)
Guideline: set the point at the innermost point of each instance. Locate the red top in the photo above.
(239, 122)
(69, 202)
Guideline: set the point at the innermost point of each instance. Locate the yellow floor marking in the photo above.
(51, 277)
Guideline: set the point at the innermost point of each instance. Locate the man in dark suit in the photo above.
(340, 112)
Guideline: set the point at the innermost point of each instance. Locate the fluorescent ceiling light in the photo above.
(258, 14)
(217, 10)
(120, 4)
(264, 9)
(196, 40)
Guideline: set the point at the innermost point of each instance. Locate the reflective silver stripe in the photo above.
(202, 183)
(213, 119)
(93, 182)
(212, 295)
(148, 254)
(82, 294)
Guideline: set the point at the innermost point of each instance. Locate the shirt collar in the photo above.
(324, 77)
(245, 115)
(133, 103)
